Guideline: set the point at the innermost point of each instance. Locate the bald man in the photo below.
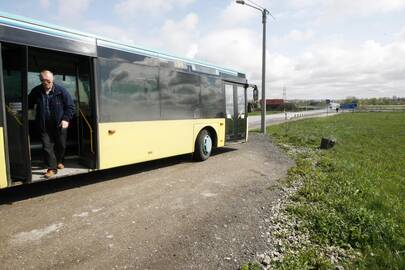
(54, 110)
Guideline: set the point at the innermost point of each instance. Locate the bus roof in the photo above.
(37, 26)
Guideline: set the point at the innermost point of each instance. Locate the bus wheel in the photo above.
(203, 146)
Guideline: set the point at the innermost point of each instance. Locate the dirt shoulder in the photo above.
(170, 214)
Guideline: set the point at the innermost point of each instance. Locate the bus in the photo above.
(132, 104)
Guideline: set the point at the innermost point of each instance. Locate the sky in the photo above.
(317, 49)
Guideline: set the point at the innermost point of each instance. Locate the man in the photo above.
(54, 110)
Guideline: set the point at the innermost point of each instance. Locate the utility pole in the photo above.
(284, 101)
(263, 128)
(264, 12)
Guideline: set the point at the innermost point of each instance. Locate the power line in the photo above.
(272, 16)
(257, 5)
(253, 3)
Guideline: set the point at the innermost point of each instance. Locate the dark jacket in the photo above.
(61, 105)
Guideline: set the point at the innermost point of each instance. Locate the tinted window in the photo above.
(241, 100)
(13, 74)
(180, 94)
(13, 99)
(229, 101)
(1, 108)
(212, 97)
(129, 92)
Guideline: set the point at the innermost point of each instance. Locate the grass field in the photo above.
(353, 196)
(392, 108)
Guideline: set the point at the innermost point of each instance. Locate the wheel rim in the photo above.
(207, 145)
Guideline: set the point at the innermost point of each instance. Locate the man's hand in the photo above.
(64, 124)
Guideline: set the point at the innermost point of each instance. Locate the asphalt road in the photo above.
(167, 214)
(255, 121)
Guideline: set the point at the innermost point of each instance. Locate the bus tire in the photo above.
(203, 146)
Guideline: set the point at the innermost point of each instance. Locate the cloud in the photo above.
(370, 69)
(237, 48)
(400, 36)
(350, 7)
(70, 11)
(111, 32)
(174, 37)
(130, 8)
(44, 4)
(180, 37)
(235, 14)
(366, 7)
(330, 68)
(294, 36)
(315, 65)
(307, 3)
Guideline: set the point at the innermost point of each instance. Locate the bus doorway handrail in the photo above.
(14, 115)
(90, 128)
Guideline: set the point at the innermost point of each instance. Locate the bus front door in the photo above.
(86, 114)
(236, 118)
(14, 84)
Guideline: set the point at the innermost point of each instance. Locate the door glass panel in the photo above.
(241, 112)
(13, 98)
(230, 111)
(235, 112)
(13, 71)
(87, 123)
(68, 82)
(241, 101)
(229, 101)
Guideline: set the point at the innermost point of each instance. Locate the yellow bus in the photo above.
(132, 104)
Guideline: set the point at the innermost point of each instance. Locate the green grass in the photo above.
(394, 108)
(354, 194)
(251, 266)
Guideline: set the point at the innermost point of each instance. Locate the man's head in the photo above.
(46, 78)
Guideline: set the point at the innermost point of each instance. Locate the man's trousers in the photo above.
(53, 145)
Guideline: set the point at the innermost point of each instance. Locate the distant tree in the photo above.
(351, 99)
(382, 101)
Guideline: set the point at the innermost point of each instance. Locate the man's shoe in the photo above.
(61, 166)
(49, 173)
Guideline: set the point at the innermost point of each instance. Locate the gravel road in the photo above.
(167, 214)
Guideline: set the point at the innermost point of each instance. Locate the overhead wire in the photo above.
(257, 5)
(253, 3)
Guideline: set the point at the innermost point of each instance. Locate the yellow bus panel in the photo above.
(126, 143)
(3, 173)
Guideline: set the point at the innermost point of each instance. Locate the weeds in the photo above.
(251, 266)
(353, 196)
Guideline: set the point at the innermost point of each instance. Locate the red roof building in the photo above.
(274, 102)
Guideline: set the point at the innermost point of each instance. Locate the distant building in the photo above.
(273, 104)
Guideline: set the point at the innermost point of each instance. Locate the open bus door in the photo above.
(86, 110)
(236, 118)
(20, 67)
(14, 87)
(74, 73)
